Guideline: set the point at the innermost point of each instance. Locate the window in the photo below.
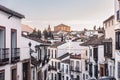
(52, 63)
(86, 67)
(52, 54)
(86, 76)
(72, 77)
(48, 51)
(66, 69)
(90, 52)
(72, 65)
(2, 37)
(55, 54)
(55, 76)
(108, 49)
(52, 76)
(106, 69)
(14, 74)
(78, 78)
(118, 15)
(33, 75)
(110, 70)
(118, 69)
(13, 38)
(77, 65)
(56, 65)
(2, 75)
(63, 67)
(83, 76)
(117, 40)
(96, 71)
(66, 78)
(86, 52)
(90, 70)
(63, 77)
(95, 54)
(39, 54)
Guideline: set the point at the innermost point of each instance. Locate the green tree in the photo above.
(34, 33)
(52, 37)
(45, 33)
(39, 34)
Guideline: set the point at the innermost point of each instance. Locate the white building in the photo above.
(12, 65)
(101, 52)
(95, 57)
(109, 45)
(89, 33)
(54, 63)
(65, 69)
(69, 47)
(18, 58)
(75, 67)
(26, 53)
(117, 38)
(37, 53)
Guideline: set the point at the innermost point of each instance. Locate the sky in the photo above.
(78, 14)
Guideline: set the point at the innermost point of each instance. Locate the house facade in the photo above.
(117, 31)
(12, 65)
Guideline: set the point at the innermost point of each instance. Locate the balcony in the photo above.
(4, 56)
(52, 68)
(34, 61)
(15, 55)
(75, 70)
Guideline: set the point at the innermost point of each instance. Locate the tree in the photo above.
(52, 37)
(39, 34)
(45, 33)
(34, 33)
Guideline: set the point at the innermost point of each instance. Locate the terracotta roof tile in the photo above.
(94, 41)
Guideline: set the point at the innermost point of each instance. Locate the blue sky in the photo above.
(76, 13)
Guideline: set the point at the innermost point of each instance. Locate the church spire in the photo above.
(49, 29)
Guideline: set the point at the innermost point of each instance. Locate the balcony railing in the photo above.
(15, 54)
(52, 68)
(4, 56)
(75, 70)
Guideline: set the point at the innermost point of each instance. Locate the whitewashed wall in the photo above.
(22, 43)
(25, 48)
(117, 26)
(71, 47)
(12, 23)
